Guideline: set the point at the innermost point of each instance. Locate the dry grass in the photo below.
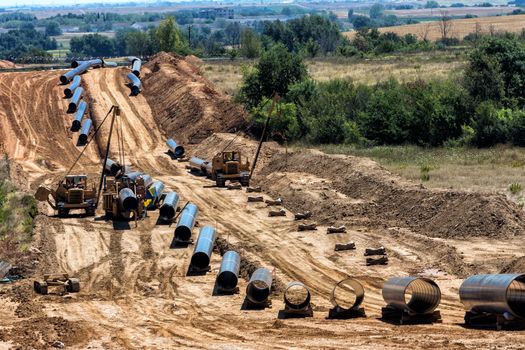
(453, 11)
(487, 170)
(227, 75)
(460, 27)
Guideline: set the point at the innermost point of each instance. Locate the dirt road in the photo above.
(135, 290)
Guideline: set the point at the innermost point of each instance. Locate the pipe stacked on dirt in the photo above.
(81, 68)
(136, 64)
(186, 223)
(135, 84)
(229, 271)
(259, 286)
(154, 192)
(73, 103)
(169, 206)
(176, 150)
(79, 114)
(128, 200)
(424, 294)
(201, 257)
(84, 131)
(68, 92)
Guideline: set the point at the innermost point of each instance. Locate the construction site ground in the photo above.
(135, 289)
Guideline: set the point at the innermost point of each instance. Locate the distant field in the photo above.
(460, 27)
(453, 11)
(227, 75)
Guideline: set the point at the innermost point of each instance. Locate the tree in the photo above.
(431, 4)
(250, 44)
(170, 37)
(138, 44)
(312, 48)
(233, 33)
(92, 45)
(376, 11)
(360, 22)
(445, 26)
(53, 29)
(350, 15)
(276, 70)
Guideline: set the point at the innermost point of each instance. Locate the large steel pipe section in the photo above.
(502, 294)
(84, 131)
(89, 63)
(79, 114)
(297, 296)
(348, 294)
(203, 248)
(75, 99)
(66, 77)
(112, 167)
(175, 149)
(128, 200)
(413, 294)
(136, 64)
(68, 92)
(229, 271)
(186, 222)
(148, 180)
(259, 286)
(135, 85)
(133, 175)
(169, 206)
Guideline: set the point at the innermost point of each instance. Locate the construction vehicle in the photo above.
(72, 193)
(123, 197)
(63, 281)
(229, 166)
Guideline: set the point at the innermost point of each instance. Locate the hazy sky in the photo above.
(63, 2)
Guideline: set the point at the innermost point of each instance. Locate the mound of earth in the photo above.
(355, 190)
(516, 266)
(186, 105)
(4, 64)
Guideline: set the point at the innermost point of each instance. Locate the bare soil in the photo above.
(136, 292)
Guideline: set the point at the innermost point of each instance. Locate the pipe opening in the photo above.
(167, 212)
(258, 291)
(200, 260)
(227, 280)
(516, 296)
(128, 199)
(348, 294)
(179, 151)
(183, 233)
(422, 296)
(297, 296)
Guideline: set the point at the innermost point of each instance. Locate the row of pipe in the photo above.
(134, 76)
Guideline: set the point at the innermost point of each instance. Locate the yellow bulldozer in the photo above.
(229, 166)
(72, 193)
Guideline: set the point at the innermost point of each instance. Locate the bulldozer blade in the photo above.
(42, 194)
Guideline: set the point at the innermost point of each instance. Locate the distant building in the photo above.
(217, 12)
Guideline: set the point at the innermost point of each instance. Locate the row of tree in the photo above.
(482, 108)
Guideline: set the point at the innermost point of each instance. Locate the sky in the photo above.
(8, 3)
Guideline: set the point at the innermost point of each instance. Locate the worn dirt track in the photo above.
(135, 290)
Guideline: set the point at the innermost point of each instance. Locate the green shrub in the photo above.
(515, 188)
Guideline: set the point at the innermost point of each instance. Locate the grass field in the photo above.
(488, 170)
(459, 27)
(453, 11)
(227, 75)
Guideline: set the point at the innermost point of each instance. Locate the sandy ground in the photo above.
(136, 293)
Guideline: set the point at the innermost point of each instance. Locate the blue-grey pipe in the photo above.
(84, 131)
(133, 175)
(259, 286)
(204, 247)
(79, 114)
(110, 64)
(128, 200)
(148, 180)
(196, 162)
(186, 222)
(68, 92)
(229, 271)
(136, 84)
(169, 206)
(66, 77)
(77, 95)
(75, 63)
(502, 294)
(424, 293)
(154, 192)
(112, 167)
(135, 66)
(175, 149)
(89, 63)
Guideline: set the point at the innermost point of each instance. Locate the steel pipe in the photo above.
(84, 131)
(89, 63)
(136, 64)
(75, 99)
(79, 114)
(112, 167)
(169, 206)
(66, 77)
(135, 85)
(133, 175)
(154, 191)
(414, 294)
(296, 296)
(204, 247)
(148, 180)
(229, 271)
(176, 150)
(259, 286)
(347, 294)
(110, 64)
(502, 294)
(68, 92)
(128, 200)
(186, 222)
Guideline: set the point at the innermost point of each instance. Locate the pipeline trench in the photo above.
(136, 292)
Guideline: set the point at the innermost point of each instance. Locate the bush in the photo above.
(489, 126)
(283, 125)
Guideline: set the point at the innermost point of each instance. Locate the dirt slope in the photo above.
(186, 106)
(136, 292)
